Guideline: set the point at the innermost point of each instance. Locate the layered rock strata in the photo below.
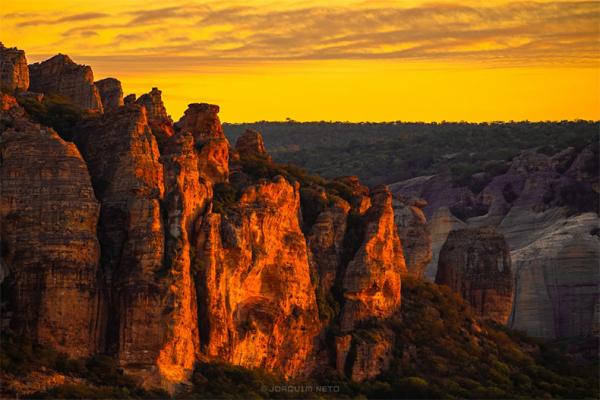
(415, 235)
(202, 121)
(61, 76)
(151, 301)
(326, 244)
(476, 264)
(14, 72)
(48, 216)
(538, 197)
(138, 265)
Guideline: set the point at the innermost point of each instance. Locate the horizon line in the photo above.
(400, 122)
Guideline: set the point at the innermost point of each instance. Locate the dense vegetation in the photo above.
(442, 351)
(55, 112)
(390, 152)
(97, 377)
(451, 354)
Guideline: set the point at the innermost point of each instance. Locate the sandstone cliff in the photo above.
(251, 144)
(415, 235)
(186, 200)
(160, 122)
(48, 216)
(538, 197)
(441, 223)
(257, 303)
(326, 244)
(371, 291)
(61, 76)
(202, 121)
(150, 297)
(361, 201)
(111, 93)
(476, 264)
(14, 73)
(371, 282)
(177, 282)
(557, 275)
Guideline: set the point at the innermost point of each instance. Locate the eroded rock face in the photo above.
(257, 303)
(111, 93)
(202, 120)
(371, 356)
(158, 119)
(538, 197)
(371, 283)
(251, 144)
(48, 216)
(151, 296)
(186, 200)
(476, 264)
(442, 222)
(61, 76)
(213, 160)
(129, 99)
(326, 243)
(155, 108)
(415, 235)
(14, 72)
(361, 201)
(557, 275)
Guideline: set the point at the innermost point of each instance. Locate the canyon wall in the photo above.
(48, 215)
(547, 209)
(476, 264)
(130, 258)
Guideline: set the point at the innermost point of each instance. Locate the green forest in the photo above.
(390, 152)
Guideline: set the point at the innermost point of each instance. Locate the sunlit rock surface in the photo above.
(14, 72)
(371, 284)
(256, 300)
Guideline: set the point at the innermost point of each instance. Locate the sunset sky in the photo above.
(332, 60)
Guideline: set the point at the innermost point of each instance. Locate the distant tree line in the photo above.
(394, 151)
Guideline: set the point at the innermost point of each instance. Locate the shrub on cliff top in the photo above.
(55, 112)
(224, 197)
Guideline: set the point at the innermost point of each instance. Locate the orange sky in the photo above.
(332, 60)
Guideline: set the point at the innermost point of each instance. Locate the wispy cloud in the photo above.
(65, 19)
(505, 34)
